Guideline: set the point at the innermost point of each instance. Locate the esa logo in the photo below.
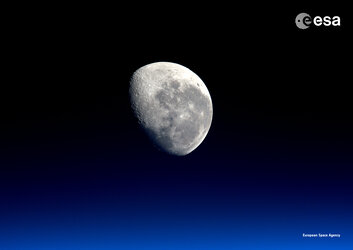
(303, 21)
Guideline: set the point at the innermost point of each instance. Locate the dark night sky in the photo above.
(76, 172)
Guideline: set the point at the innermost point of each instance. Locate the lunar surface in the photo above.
(173, 106)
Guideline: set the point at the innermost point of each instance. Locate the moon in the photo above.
(173, 106)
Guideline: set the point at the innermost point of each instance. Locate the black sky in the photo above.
(282, 122)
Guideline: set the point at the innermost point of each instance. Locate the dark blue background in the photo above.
(76, 172)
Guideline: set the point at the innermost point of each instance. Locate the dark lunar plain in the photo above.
(76, 172)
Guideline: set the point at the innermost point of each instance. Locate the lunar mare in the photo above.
(173, 106)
